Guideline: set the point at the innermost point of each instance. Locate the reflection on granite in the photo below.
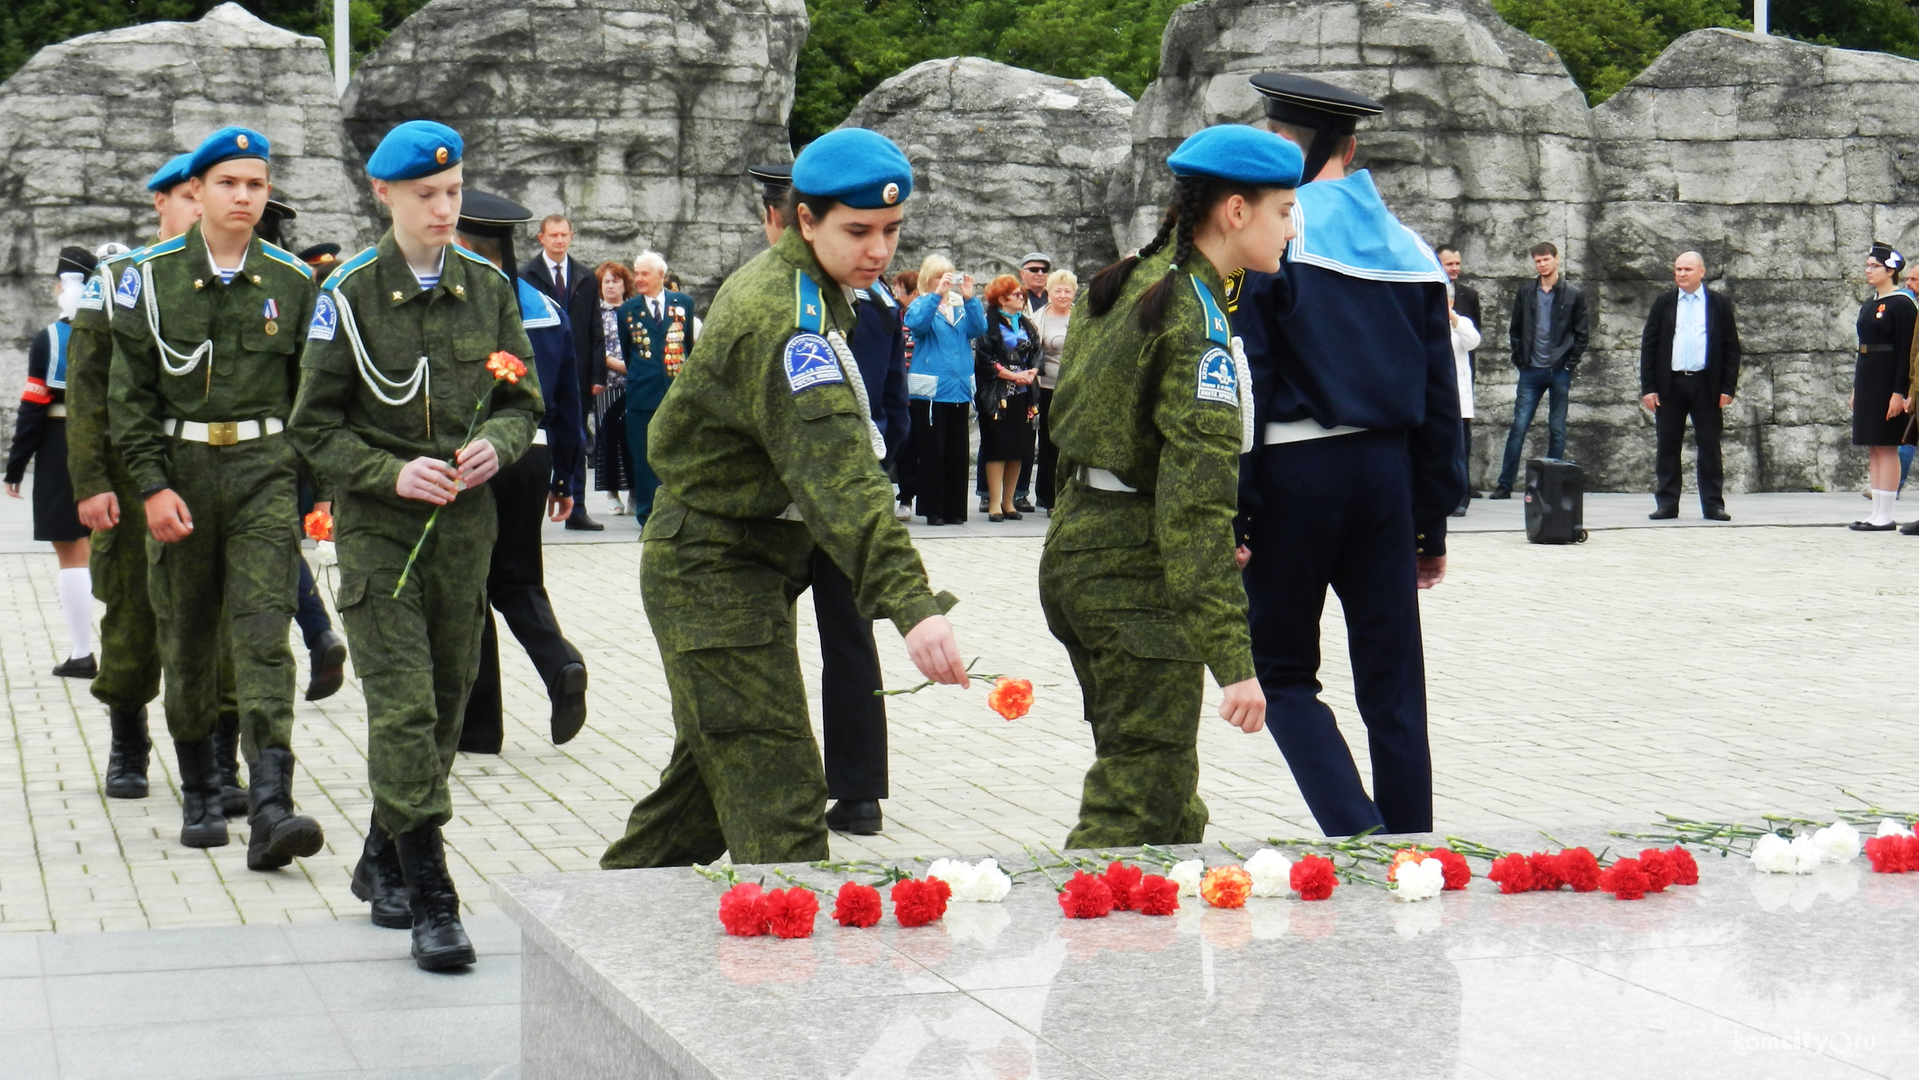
(1745, 975)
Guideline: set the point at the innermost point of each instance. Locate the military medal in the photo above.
(675, 351)
(272, 312)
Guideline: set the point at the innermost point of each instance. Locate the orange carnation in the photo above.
(1011, 698)
(1226, 887)
(1401, 858)
(504, 365)
(319, 525)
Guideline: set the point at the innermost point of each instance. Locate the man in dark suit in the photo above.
(1465, 303)
(570, 282)
(659, 327)
(1688, 367)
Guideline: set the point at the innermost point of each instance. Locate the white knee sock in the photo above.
(76, 602)
(1881, 507)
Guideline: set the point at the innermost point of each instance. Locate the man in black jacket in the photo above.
(1466, 305)
(1548, 333)
(570, 282)
(1688, 367)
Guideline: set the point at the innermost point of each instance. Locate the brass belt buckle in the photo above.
(224, 433)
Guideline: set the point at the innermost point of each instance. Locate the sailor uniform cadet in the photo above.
(516, 579)
(775, 181)
(1138, 579)
(272, 226)
(1356, 401)
(395, 370)
(766, 451)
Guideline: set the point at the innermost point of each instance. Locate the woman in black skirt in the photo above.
(40, 437)
(612, 468)
(1881, 379)
(1006, 363)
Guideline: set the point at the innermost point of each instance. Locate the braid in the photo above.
(1192, 197)
(1102, 292)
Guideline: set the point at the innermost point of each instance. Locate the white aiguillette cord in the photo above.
(851, 368)
(192, 359)
(1243, 374)
(407, 389)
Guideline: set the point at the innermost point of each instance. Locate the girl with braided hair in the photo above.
(1151, 412)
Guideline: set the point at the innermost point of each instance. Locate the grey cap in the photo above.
(1036, 256)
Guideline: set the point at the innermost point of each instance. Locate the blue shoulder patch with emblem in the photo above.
(810, 362)
(93, 295)
(1218, 378)
(326, 319)
(127, 293)
(1218, 330)
(809, 311)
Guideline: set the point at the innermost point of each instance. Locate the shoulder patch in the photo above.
(93, 295)
(326, 319)
(164, 247)
(1218, 378)
(1235, 281)
(810, 362)
(340, 272)
(809, 311)
(127, 293)
(472, 258)
(1218, 330)
(286, 258)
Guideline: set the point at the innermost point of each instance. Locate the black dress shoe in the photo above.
(579, 521)
(569, 703)
(1664, 513)
(1501, 492)
(78, 667)
(936, 521)
(326, 659)
(996, 517)
(1718, 515)
(1910, 528)
(861, 817)
(1013, 515)
(1023, 504)
(1867, 526)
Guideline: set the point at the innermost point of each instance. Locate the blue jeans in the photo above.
(1534, 384)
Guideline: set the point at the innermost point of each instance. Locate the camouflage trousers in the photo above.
(417, 654)
(129, 642)
(745, 774)
(1104, 594)
(228, 589)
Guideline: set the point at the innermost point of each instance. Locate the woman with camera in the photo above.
(944, 319)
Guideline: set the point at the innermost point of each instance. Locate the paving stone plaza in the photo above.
(1720, 671)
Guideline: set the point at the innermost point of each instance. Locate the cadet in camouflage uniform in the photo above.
(202, 380)
(765, 448)
(396, 361)
(1138, 579)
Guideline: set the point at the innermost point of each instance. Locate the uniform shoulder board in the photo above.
(286, 258)
(537, 311)
(810, 362)
(1218, 378)
(1235, 281)
(809, 311)
(340, 272)
(165, 247)
(1218, 330)
(472, 258)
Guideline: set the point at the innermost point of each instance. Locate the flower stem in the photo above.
(471, 426)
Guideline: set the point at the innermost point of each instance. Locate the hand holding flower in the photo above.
(479, 462)
(429, 480)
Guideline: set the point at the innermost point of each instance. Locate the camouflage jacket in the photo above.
(92, 462)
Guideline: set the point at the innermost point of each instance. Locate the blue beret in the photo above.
(172, 174)
(860, 168)
(1239, 153)
(225, 145)
(414, 149)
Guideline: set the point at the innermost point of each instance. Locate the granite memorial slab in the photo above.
(629, 974)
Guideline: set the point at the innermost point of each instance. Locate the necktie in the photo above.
(655, 302)
(559, 279)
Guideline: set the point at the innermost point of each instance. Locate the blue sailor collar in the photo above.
(1344, 226)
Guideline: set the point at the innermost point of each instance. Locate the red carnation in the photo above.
(1658, 869)
(1458, 872)
(1548, 871)
(1155, 895)
(1122, 880)
(1513, 873)
(857, 905)
(1626, 879)
(1313, 878)
(1580, 868)
(790, 912)
(1684, 870)
(1085, 897)
(1893, 854)
(916, 903)
(743, 910)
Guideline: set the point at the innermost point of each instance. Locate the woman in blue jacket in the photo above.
(944, 319)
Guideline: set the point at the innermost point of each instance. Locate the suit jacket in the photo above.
(646, 341)
(580, 303)
(1570, 327)
(879, 346)
(1466, 302)
(1722, 344)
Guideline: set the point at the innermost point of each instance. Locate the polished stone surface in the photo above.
(1742, 976)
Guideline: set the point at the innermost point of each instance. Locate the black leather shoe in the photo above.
(996, 517)
(1501, 492)
(439, 941)
(1664, 513)
(78, 667)
(1718, 515)
(580, 522)
(983, 507)
(936, 521)
(327, 659)
(861, 817)
(279, 835)
(1014, 515)
(226, 758)
(1458, 512)
(569, 703)
(201, 823)
(378, 880)
(1910, 528)
(127, 760)
(1023, 504)
(1867, 526)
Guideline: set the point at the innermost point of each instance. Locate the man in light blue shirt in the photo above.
(1688, 369)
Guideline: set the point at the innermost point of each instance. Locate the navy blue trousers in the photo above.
(1337, 512)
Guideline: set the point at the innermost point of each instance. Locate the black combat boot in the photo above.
(439, 941)
(226, 754)
(201, 825)
(279, 835)
(379, 881)
(127, 760)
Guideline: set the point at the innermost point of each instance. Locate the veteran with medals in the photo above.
(766, 451)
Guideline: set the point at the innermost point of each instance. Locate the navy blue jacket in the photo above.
(1343, 350)
(879, 344)
(646, 376)
(551, 333)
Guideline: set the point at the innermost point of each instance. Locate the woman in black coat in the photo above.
(1881, 380)
(1006, 362)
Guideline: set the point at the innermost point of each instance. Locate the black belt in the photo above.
(1676, 371)
(1878, 348)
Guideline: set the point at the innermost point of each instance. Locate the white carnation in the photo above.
(1772, 855)
(1420, 880)
(1837, 842)
(1805, 854)
(1187, 876)
(957, 875)
(990, 883)
(1889, 827)
(1272, 873)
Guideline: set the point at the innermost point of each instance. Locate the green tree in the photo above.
(1605, 43)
